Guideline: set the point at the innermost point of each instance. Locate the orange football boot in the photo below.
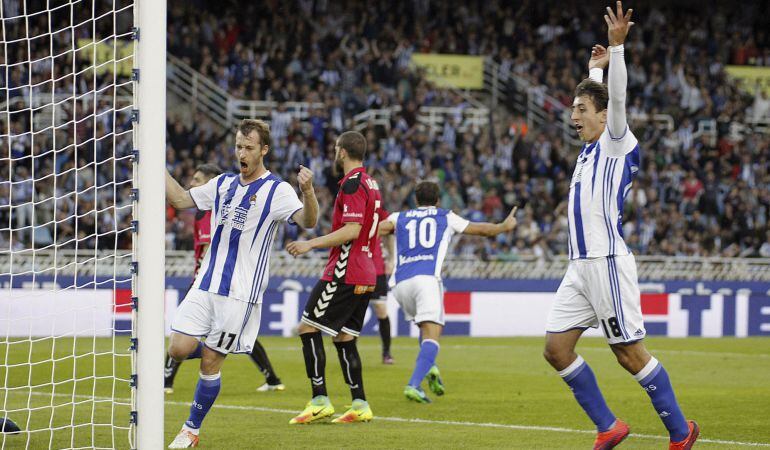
(687, 443)
(606, 440)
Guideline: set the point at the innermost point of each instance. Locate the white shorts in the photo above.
(421, 298)
(600, 292)
(228, 325)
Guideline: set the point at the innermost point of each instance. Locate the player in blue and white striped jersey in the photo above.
(223, 305)
(600, 287)
(422, 240)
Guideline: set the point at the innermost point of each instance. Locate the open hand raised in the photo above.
(618, 24)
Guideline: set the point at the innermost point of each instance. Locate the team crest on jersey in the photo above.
(253, 199)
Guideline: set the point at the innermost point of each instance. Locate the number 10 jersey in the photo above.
(422, 241)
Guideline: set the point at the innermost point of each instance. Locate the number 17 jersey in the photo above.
(422, 240)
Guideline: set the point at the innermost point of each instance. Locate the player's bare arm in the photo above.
(307, 217)
(347, 233)
(386, 228)
(390, 247)
(176, 195)
(492, 229)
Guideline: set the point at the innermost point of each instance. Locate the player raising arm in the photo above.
(223, 306)
(422, 238)
(202, 239)
(600, 288)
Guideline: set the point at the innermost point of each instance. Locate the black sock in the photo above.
(169, 371)
(351, 368)
(385, 335)
(259, 356)
(315, 361)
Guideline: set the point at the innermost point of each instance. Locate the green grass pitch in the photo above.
(500, 394)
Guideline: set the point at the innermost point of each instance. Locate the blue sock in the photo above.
(425, 360)
(196, 354)
(655, 381)
(205, 393)
(582, 382)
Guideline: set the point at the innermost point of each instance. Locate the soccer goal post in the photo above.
(150, 77)
(82, 223)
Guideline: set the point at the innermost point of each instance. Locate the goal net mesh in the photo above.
(66, 180)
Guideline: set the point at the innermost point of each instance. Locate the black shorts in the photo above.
(380, 293)
(335, 307)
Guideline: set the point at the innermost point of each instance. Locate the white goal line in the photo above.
(433, 422)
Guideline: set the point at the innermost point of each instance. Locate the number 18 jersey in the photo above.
(422, 240)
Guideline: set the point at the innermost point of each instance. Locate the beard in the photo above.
(337, 168)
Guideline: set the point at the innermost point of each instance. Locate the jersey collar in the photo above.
(264, 175)
(351, 173)
(588, 148)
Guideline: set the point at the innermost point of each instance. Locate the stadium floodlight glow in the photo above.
(81, 261)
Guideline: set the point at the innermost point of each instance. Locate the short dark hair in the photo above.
(426, 193)
(260, 126)
(596, 91)
(209, 170)
(354, 143)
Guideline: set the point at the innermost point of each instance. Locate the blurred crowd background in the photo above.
(693, 196)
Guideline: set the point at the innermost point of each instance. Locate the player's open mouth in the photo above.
(244, 165)
(579, 128)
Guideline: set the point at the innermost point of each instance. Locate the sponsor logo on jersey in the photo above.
(345, 213)
(412, 259)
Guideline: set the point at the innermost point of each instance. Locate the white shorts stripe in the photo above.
(594, 291)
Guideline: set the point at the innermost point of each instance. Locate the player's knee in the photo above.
(549, 356)
(625, 359)
(556, 357)
(305, 328)
(179, 350)
(631, 357)
(380, 310)
(211, 361)
(343, 337)
(176, 353)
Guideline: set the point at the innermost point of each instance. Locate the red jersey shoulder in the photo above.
(359, 180)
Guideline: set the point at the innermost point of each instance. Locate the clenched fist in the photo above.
(305, 179)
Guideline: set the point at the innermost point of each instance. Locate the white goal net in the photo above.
(66, 179)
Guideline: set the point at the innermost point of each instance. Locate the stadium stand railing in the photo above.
(536, 106)
(180, 263)
(432, 117)
(202, 94)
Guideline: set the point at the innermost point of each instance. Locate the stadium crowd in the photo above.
(65, 130)
(693, 196)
